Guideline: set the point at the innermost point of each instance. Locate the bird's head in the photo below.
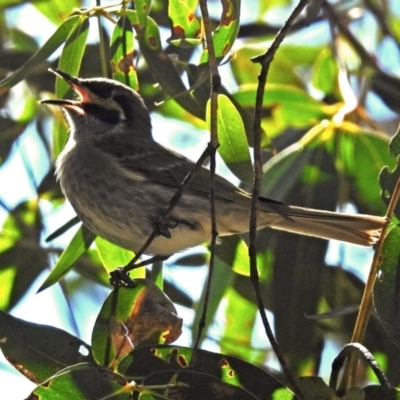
(104, 106)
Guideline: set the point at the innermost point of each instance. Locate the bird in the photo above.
(120, 181)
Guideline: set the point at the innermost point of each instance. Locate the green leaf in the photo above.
(325, 72)
(226, 33)
(289, 105)
(55, 41)
(57, 11)
(388, 178)
(184, 24)
(113, 256)
(122, 53)
(78, 245)
(142, 10)
(71, 56)
(162, 67)
(358, 156)
(234, 148)
(361, 154)
(237, 335)
(22, 41)
(39, 351)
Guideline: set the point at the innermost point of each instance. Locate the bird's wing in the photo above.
(155, 163)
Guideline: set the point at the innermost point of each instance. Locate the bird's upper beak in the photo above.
(76, 84)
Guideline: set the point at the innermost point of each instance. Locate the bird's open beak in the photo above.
(76, 85)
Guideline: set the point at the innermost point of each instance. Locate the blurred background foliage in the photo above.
(330, 109)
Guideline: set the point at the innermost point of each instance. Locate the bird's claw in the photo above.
(120, 278)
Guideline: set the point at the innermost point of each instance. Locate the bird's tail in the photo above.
(359, 229)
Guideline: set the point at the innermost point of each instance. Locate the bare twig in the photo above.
(364, 313)
(213, 145)
(265, 61)
(172, 204)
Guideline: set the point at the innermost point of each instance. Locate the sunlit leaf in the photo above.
(78, 245)
(389, 177)
(225, 34)
(71, 56)
(290, 106)
(233, 148)
(325, 72)
(113, 256)
(184, 24)
(57, 11)
(142, 10)
(236, 338)
(122, 53)
(162, 66)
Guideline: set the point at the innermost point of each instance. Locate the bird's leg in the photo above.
(120, 276)
(162, 226)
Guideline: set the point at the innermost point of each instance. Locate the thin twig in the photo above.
(102, 43)
(365, 57)
(364, 313)
(265, 61)
(213, 145)
(172, 204)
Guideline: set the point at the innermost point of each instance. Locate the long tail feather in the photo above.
(359, 229)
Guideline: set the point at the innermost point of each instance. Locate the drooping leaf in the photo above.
(78, 245)
(389, 176)
(122, 53)
(71, 56)
(185, 27)
(225, 34)
(233, 148)
(142, 10)
(325, 72)
(162, 66)
(133, 317)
